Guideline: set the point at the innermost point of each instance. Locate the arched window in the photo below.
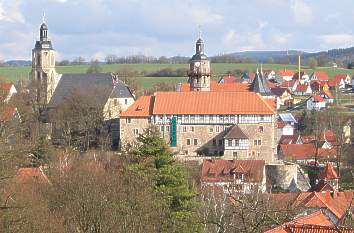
(39, 60)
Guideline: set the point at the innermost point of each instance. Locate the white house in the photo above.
(8, 89)
(316, 102)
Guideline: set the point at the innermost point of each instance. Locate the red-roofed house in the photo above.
(230, 79)
(315, 219)
(286, 74)
(7, 90)
(305, 153)
(340, 81)
(316, 102)
(240, 176)
(301, 89)
(319, 75)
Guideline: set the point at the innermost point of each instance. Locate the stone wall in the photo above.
(127, 135)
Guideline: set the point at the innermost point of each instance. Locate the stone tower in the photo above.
(43, 73)
(199, 69)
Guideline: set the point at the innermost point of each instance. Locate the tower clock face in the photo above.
(197, 64)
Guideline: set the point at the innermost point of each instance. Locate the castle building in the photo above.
(203, 121)
(53, 90)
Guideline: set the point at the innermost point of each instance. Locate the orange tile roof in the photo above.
(219, 170)
(329, 173)
(142, 107)
(215, 86)
(286, 73)
(288, 83)
(211, 103)
(316, 218)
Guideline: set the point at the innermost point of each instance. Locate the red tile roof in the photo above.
(286, 73)
(336, 202)
(211, 103)
(329, 173)
(316, 218)
(336, 79)
(288, 83)
(298, 151)
(215, 86)
(142, 107)
(219, 170)
(7, 112)
(5, 86)
(288, 139)
(301, 88)
(321, 75)
(306, 151)
(318, 98)
(292, 228)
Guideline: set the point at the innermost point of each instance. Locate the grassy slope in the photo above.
(218, 69)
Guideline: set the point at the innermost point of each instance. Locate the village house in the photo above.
(234, 176)
(319, 76)
(340, 81)
(306, 153)
(7, 90)
(287, 75)
(283, 95)
(200, 119)
(315, 102)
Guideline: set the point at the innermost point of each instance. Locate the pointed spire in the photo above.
(200, 31)
(43, 19)
(261, 68)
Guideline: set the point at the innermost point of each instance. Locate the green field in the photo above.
(14, 74)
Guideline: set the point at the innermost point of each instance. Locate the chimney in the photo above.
(179, 87)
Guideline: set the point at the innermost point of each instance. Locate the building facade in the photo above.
(231, 124)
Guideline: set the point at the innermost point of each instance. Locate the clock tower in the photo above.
(43, 72)
(199, 69)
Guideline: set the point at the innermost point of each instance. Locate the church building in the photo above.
(232, 122)
(53, 89)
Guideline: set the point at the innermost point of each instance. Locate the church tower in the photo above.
(199, 69)
(43, 72)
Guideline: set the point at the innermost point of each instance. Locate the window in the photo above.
(257, 142)
(115, 102)
(253, 153)
(211, 130)
(229, 142)
(162, 128)
(191, 129)
(217, 129)
(214, 142)
(261, 129)
(167, 128)
(234, 155)
(136, 132)
(188, 142)
(126, 101)
(237, 142)
(220, 142)
(184, 129)
(128, 120)
(195, 141)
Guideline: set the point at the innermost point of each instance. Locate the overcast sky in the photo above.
(95, 28)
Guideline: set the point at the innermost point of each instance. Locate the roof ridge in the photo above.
(264, 101)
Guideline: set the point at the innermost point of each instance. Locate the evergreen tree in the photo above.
(170, 180)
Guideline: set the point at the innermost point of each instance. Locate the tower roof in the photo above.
(199, 50)
(44, 26)
(329, 173)
(260, 85)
